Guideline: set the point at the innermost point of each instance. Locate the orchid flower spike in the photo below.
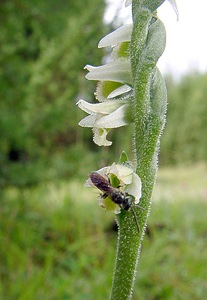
(113, 88)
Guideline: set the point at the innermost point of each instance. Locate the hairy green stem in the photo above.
(149, 106)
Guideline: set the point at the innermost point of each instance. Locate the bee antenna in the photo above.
(135, 218)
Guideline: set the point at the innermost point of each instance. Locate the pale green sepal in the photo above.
(156, 41)
(159, 98)
(123, 158)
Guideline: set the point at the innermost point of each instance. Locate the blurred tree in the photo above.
(44, 46)
(57, 79)
(184, 139)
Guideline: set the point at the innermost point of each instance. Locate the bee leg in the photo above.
(139, 206)
(104, 195)
(135, 218)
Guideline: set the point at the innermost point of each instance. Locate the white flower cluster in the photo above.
(114, 82)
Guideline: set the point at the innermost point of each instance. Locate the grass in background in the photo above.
(56, 243)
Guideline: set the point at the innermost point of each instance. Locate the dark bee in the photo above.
(123, 199)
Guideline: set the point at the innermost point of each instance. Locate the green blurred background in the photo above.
(55, 242)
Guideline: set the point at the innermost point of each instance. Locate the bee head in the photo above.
(128, 201)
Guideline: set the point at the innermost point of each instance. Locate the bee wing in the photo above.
(100, 182)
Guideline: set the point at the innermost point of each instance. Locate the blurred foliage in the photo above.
(44, 47)
(59, 244)
(184, 139)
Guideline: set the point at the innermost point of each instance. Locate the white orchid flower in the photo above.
(102, 117)
(117, 71)
(129, 182)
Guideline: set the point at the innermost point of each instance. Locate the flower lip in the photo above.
(99, 137)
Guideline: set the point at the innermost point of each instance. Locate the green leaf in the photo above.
(123, 158)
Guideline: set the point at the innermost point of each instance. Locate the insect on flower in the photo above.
(123, 199)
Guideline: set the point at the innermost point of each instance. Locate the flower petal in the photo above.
(118, 71)
(88, 121)
(102, 108)
(120, 91)
(124, 173)
(135, 188)
(114, 119)
(175, 8)
(122, 34)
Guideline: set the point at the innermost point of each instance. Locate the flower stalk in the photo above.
(149, 102)
(131, 89)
